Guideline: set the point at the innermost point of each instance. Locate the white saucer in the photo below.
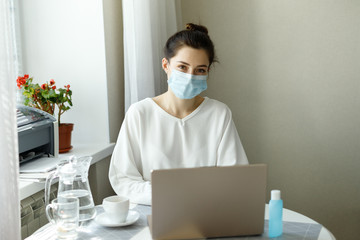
(103, 219)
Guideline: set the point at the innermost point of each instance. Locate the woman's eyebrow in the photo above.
(185, 63)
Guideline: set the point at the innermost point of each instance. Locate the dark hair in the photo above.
(195, 36)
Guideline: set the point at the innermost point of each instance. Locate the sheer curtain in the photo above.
(147, 26)
(9, 197)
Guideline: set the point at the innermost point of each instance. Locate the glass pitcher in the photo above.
(73, 182)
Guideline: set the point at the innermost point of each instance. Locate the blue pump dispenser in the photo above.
(275, 214)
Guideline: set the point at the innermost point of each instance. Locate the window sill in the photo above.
(97, 151)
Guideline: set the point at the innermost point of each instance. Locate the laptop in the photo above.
(208, 202)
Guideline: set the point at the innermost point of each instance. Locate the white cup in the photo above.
(116, 208)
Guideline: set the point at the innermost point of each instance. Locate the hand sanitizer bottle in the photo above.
(275, 214)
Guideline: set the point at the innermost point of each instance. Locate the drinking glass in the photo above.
(63, 212)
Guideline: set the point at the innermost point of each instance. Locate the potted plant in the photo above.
(50, 99)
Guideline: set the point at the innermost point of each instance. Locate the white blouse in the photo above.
(150, 138)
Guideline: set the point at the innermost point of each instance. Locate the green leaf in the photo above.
(52, 93)
(45, 94)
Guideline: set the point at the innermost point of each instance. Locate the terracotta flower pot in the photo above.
(65, 130)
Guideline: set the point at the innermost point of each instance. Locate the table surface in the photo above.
(296, 226)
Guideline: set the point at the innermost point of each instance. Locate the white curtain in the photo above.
(9, 163)
(147, 26)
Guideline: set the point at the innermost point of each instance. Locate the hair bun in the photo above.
(194, 27)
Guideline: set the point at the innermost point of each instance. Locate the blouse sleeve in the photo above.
(125, 173)
(230, 150)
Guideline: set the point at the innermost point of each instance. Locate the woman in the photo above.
(178, 129)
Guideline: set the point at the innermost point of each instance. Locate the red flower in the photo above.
(26, 76)
(20, 81)
(52, 82)
(67, 87)
(44, 86)
(54, 87)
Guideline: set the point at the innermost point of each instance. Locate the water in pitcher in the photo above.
(86, 203)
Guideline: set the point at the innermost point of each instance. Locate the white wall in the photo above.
(64, 40)
(289, 71)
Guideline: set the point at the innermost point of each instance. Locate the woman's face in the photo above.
(188, 60)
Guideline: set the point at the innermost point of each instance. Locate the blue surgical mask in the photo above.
(186, 86)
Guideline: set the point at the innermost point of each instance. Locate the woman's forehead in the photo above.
(192, 56)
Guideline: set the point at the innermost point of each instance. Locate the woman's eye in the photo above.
(201, 70)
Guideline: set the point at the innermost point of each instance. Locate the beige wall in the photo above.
(113, 28)
(289, 70)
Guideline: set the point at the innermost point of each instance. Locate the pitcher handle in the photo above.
(48, 183)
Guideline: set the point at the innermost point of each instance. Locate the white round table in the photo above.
(141, 231)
